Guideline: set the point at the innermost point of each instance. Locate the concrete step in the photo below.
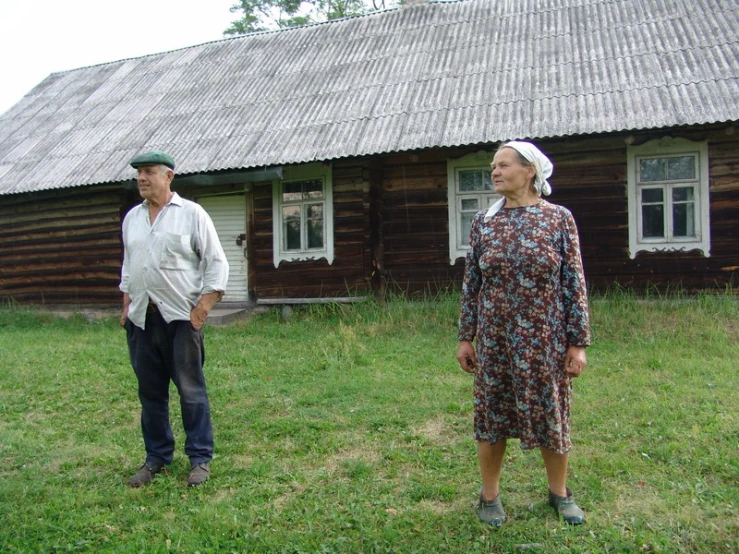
(224, 316)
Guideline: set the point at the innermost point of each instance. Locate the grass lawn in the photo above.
(348, 430)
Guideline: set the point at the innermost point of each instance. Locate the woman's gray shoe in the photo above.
(145, 474)
(491, 511)
(566, 507)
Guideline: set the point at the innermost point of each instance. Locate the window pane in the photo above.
(471, 180)
(652, 195)
(470, 204)
(682, 194)
(315, 233)
(681, 167)
(490, 199)
(295, 191)
(315, 211)
(653, 221)
(292, 235)
(466, 224)
(652, 169)
(683, 212)
(290, 212)
(314, 214)
(291, 227)
(313, 189)
(683, 221)
(292, 192)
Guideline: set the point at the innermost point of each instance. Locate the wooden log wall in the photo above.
(415, 225)
(62, 246)
(392, 229)
(590, 179)
(351, 270)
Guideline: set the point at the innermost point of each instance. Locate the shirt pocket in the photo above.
(176, 252)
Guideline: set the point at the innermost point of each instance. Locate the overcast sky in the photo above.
(39, 37)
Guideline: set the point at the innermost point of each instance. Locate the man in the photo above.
(174, 271)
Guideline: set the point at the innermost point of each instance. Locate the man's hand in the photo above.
(126, 304)
(199, 313)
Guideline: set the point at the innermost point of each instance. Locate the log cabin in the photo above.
(347, 158)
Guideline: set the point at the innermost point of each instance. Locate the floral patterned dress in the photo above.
(524, 300)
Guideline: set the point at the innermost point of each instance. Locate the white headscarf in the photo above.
(542, 164)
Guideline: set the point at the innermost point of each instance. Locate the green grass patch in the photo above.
(349, 429)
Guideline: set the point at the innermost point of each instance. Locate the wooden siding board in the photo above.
(391, 228)
(61, 247)
(602, 216)
(316, 278)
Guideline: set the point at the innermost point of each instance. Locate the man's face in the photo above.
(154, 180)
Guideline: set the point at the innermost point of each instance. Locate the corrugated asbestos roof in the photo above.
(428, 75)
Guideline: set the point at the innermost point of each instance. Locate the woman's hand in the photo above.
(576, 360)
(466, 356)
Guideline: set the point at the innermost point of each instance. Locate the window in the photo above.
(303, 214)
(668, 196)
(470, 191)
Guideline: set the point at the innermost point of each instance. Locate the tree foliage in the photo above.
(266, 15)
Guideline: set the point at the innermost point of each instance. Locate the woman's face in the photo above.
(510, 177)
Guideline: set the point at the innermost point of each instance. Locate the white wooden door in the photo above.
(228, 213)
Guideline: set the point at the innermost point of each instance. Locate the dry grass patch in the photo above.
(337, 463)
(439, 432)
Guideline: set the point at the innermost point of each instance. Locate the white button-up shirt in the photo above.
(172, 262)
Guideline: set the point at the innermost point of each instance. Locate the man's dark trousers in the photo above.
(175, 351)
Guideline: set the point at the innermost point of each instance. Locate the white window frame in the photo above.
(667, 147)
(458, 245)
(303, 173)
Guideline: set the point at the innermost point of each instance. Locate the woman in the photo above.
(524, 302)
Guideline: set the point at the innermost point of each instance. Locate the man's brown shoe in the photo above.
(199, 474)
(145, 474)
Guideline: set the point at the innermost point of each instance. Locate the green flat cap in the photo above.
(152, 157)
